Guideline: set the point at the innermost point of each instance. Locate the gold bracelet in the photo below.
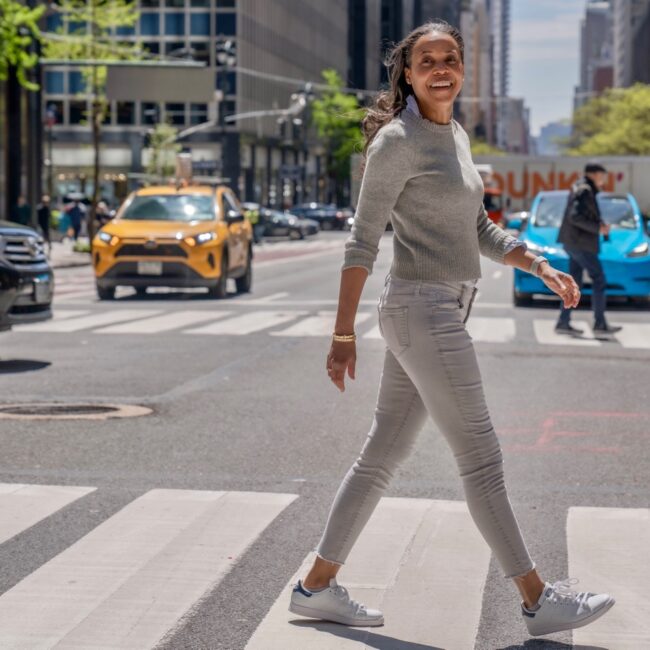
(344, 337)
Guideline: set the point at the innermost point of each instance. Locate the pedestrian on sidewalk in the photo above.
(22, 212)
(76, 212)
(44, 215)
(419, 172)
(580, 232)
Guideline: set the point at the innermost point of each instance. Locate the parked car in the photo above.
(625, 255)
(516, 220)
(328, 215)
(175, 236)
(285, 224)
(26, 278)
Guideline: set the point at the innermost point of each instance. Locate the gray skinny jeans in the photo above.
(430, 368)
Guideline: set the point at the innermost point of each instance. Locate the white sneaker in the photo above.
(560, 608)
(333, 604)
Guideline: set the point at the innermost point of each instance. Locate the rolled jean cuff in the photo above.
(318, 554)
(523, 573)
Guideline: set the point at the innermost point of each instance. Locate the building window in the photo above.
(125, 112)
(150, 24)
(225, 3)
(125, 31)
(227, 107)
(76, 83)
(198, 113)
(175, 3)
(200, 24)
(150, 113)
(152, 47)
(227, 23)
(175, 113)
(199, 3)
(78, 111)
(177, 48)
(227, 82)
(149, 3)
(174, 24)
(200, 51)
(55, 108)
(53, 22)
(54, 83)
(107, 115)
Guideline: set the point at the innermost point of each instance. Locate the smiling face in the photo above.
(435, 74)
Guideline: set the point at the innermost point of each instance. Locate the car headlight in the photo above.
(107, 238)
(202, 238)
(639, 251)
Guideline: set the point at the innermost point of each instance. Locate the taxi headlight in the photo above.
(639, 251)
(202, 238)
(107, 238)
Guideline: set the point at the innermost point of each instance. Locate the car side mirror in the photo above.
(232, 216)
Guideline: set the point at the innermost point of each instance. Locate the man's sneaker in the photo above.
(561, 328)
(560, 608)
(606, 329)
(333, 604)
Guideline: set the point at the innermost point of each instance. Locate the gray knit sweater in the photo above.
(421, 173)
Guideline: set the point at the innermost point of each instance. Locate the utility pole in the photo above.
(13, 153)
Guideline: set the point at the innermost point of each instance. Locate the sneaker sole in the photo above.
(585, 621)
(326, 616)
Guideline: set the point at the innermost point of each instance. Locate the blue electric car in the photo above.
(625, 256)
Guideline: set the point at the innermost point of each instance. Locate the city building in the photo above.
(261, 52)
(631, 42)
(548, 143)
(596, 51)
(500, 23)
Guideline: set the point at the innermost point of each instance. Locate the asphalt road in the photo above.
(253, 411)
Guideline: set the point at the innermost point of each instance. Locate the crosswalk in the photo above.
(131, 581)
(264, 317)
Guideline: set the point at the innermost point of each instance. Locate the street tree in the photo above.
(163, 148)
(614, 123)
(337, 117)
(88, 37)
(18, 31)
(482, 148)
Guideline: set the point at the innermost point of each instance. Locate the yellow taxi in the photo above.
(180, 235)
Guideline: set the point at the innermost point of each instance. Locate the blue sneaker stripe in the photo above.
(301, 590)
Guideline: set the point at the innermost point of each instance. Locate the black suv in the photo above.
(26, 278)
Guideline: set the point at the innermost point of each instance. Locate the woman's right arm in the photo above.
(384, 178)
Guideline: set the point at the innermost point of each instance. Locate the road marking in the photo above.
(545, 334)
(634, 335)
(22, 506)
(608, 550)
(265, 299)
(422, 562)
(129, 581)
(497, 274)
(90, 322)
(321, 325)
(491, 330)
(57, 314)
(255, 321)
(163, 323)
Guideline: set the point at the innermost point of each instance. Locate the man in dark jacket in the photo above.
(580, 233)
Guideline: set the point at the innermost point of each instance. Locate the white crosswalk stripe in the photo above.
(248, 323)
(129, 581)
(608, 550)
(79, 323)
(163, 323)
(545, 334)
(422, 562)
(634, 335)
(491, 330)
(321, 325)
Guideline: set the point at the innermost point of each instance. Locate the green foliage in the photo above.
(481, 148)
(163, 150)
(18, 29)
(337, 117)
(615, 123)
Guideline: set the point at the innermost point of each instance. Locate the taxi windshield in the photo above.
(170, 207)
(615, 210)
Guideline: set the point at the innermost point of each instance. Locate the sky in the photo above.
(544, 56)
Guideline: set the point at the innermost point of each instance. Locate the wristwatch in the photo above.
(536, 264)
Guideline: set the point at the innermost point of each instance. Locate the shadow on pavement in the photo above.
(10, 366)
(545, 644)
(362, 635)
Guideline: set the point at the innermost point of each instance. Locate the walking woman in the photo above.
(419, 170)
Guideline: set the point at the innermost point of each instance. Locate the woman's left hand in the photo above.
(561, 284)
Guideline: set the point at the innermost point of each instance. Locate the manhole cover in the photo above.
(70, 411)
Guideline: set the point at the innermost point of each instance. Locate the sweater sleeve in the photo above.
(493, 242)
(385, 175)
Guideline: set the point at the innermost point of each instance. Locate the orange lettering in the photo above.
(565, 183)
(540, 183)
(512, 191)
(611, 182)
(498, 179)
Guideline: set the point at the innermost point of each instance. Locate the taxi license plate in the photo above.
(41, 291)
(150, 268)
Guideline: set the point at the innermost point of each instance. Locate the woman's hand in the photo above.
(560, 283)
(342, 356)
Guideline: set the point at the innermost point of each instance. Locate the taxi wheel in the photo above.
(220, 290)
(244, 283)
(105, 293)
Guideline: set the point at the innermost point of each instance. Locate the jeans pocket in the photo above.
(394, 328)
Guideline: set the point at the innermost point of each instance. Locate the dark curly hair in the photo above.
(392, 101)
